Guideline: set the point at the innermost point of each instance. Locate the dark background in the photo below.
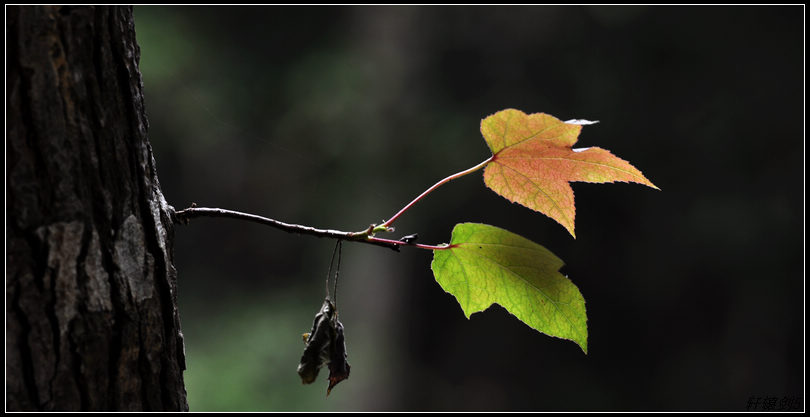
(335, 117)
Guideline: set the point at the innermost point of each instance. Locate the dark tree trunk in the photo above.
(91, 298)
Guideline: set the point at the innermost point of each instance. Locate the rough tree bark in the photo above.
(91, 300)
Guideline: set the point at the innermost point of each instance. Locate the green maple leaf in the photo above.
(485, 265)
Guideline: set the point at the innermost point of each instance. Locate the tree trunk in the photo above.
(91, 297)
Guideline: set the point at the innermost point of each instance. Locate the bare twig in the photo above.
(183, 216)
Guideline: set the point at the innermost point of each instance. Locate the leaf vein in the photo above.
(530, 137)
(466, 280)
(555, 303)
(557, 206)
(580, 161)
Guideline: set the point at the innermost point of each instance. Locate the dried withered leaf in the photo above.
(325, 345)
(317, 352)
(338, 365)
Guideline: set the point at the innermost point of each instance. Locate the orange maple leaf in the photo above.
(533, 162)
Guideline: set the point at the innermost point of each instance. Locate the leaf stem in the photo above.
(365, 236)
(435, 186)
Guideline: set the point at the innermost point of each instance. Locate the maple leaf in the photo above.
(533, 162)
(487, 265)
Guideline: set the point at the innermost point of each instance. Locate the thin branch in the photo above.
(183, 216)
(443, 246)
